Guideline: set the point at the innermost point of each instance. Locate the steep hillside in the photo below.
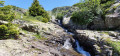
(18, 9)
(90, 28)
(64, 10)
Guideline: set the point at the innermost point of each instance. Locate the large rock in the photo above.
(112, 21)
(55, 43)
(94, 41)
(68, 23)
(98, 23)
(114, 8)
(3, 22)
(30, 27)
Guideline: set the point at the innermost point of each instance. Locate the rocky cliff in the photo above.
(38, 39)
(111, 20)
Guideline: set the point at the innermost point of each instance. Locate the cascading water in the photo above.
(81, 50)
(67, 44)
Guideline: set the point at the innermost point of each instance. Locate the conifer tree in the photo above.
(6, 13)
(1, 3)
(37, 10)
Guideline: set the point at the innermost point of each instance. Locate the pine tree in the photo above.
(5, 12)
(1, 3)
(37, 10)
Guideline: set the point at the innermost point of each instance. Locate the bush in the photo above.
(46, 15)
(3, 32)
(40, 18)
(59, 16)
(6, 13)
(82, 17)
(90, 9)
(45, 20)
(104, 1)
(38, 36)
(26, 13)
(115, 46)
(7, 17)
(13, 30)
(106, 6)
(8, 31)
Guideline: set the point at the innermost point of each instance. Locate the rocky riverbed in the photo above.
(95, 41)
(54, 40)
(51, 41)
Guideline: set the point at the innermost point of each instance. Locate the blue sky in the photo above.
(47, 4)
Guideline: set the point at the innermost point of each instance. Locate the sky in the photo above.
(47, 4)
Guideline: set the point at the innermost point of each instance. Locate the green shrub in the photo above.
(38, 36)
(8, 31)
(45, 20)
(3, 32)
(6, 13)
(59, 16)
(40, 18)
(13, 30)
(26, 13)
(88, 11)
(115, 46)
(106, 7)
(46, 15)
(116, 6)
(104, 1)
(82, 17)
(7, 17)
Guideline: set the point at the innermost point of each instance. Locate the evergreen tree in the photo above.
(6, 13)
(37, 10)
(1, 3)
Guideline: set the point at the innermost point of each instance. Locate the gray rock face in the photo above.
(31, 27)
(94, 40)
(117, 10)
(52, 46)
(3, 22)
(68, 23)
(117, 1)
(118, 37)
(114, 8)
(98, 24)
(112, 21)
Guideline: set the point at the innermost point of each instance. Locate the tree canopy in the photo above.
(37, 10)
(6, 13)
(91, 9)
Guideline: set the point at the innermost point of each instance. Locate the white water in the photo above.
(67, 44)
(80, 49)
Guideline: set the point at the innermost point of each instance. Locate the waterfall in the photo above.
(80, 49)
(67, 44)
